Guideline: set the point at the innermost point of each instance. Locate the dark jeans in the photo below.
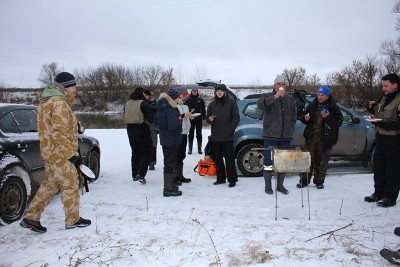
(387, 167)
(223, 150)
(140, 142)
(198, 125)
(181, 152)
(269, 144)
(170, 156)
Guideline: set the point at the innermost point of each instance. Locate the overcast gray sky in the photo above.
(237, 41)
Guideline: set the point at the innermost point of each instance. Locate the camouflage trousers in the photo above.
(319, 161)
(58, 176)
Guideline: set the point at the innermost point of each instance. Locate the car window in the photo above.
(252, 111)
(26, 120)
(8, 125)
(347, 118)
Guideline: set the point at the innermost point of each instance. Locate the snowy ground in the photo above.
(134, 225)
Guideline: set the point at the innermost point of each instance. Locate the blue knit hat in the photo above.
(324, 90)
(173, 93)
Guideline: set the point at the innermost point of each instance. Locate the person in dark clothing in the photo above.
(387, 131)
(223, 115)
(138, 115)
(280, 115)
(153, 130)
(196, 105)
(323, 119)
(170, 126)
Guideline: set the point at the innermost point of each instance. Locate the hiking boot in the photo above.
(232, 185)
(200, 152)
(320, 186)
(33, 225)
(372, 198)
(151, 167)
(141, 179)
(269, 191)
(190, 152)
(301, 185)
(397, 231)
(178, 183)
(136, 178)
(386, 203)
(80, 223)
(283, 190)
(391, 255)
(185, 180)
(217, 183)
(167, 193)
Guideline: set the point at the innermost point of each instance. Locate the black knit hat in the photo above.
(220, 87)
(66, 79)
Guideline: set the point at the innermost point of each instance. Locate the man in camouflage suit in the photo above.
(58, 134)
(323, 119)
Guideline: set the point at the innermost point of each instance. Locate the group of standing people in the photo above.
(176, 116)
(172, 118)
(322, 118)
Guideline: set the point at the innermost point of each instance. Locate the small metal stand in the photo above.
(291, 160)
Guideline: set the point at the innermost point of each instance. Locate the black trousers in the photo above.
(170, 157)
(387, 167)
(196, 124)
(181, 152)
(224, 150)
(141, 145)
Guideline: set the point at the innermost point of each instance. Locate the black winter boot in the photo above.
(281, 188)
(267, 179)
(180, 177)
(199, 145)
(190, 147)
(169, 189)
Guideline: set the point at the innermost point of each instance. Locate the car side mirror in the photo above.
(356, 120)
(81, 128)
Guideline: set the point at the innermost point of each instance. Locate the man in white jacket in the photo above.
(186, 115)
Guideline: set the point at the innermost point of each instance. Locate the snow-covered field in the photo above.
(134, 225)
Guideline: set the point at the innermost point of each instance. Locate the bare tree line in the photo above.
(353, 85)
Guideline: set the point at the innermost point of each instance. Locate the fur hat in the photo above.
(66, 79)
(324, 90)
(173, 93)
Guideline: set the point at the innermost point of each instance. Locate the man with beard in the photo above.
(223, 115)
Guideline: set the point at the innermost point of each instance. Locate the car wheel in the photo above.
(94, 165)
(13, 199)
(249, 162)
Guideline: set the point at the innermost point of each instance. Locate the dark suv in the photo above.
(21, 167)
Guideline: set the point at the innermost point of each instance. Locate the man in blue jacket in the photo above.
(170, 128)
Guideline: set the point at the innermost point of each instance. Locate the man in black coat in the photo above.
(196, 105)
(138, 115)
(323, 119)
(223, 115)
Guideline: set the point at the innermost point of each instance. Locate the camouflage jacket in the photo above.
(57, 126)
